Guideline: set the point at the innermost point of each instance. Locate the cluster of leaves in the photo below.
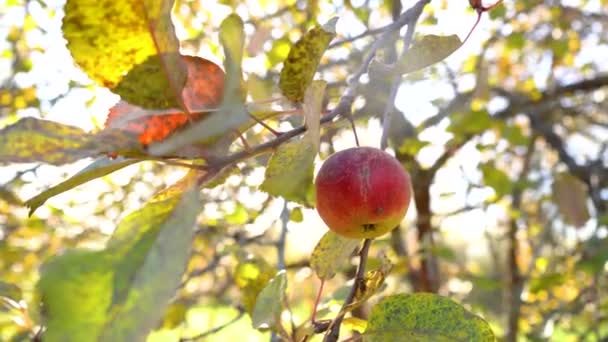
(186, 111)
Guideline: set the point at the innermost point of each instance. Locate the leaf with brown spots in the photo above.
(301, 64)
(331, 253)
(424, 317)
(34, 140)
(109, 39)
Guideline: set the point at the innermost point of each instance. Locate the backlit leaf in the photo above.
(35, 140)
(203, 92)
(570, 194)
(154, 245)
(290, 171)
(76, 289)
(251, 276)
(301, 64)
(232, 38)
(496, 179)
(330, 254)
(312, 106)
(429, 50)
(269, 304)
(129, 47)
(423, 317)
(98, 168)
(120, 293)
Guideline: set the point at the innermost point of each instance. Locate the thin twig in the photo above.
(334, 329)
(407, 41)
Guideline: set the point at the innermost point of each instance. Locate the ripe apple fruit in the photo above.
(362, 192)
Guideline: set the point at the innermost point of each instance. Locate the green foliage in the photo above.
(424, 317)
(99, 168)
(290, 172)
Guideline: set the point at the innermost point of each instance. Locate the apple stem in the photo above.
(316, 304)
(333, 332)
(352, 125)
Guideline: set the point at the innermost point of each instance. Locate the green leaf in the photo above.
(472, 122)
(301, 64)
(150, 270)
(496, 179)
(296, 215)
(129, 47)
(330, 253)
(251, 276)
(34, 140)
(570, 195)
(290, 171)
(429, 50)
(120, 293)
(423, 317)
(76, 290)
(99, 168)
(269, 304)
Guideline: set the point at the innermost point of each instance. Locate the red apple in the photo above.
(362, 192)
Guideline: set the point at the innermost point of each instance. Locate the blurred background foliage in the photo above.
(506, 142)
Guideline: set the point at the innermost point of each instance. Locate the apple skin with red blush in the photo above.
(362, 192)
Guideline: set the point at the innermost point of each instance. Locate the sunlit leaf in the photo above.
(290, 171)
(425, 52)
(251, 276)
(76, 289)
(269, 304)
(128, 46)
(120, 293)
(312, 106)
(154, 253)
(98, 168)
(571, 195)
(301, 64)
(296, 215)
(471, 122)
(330, 254)
(424, 317)
(35, 140)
